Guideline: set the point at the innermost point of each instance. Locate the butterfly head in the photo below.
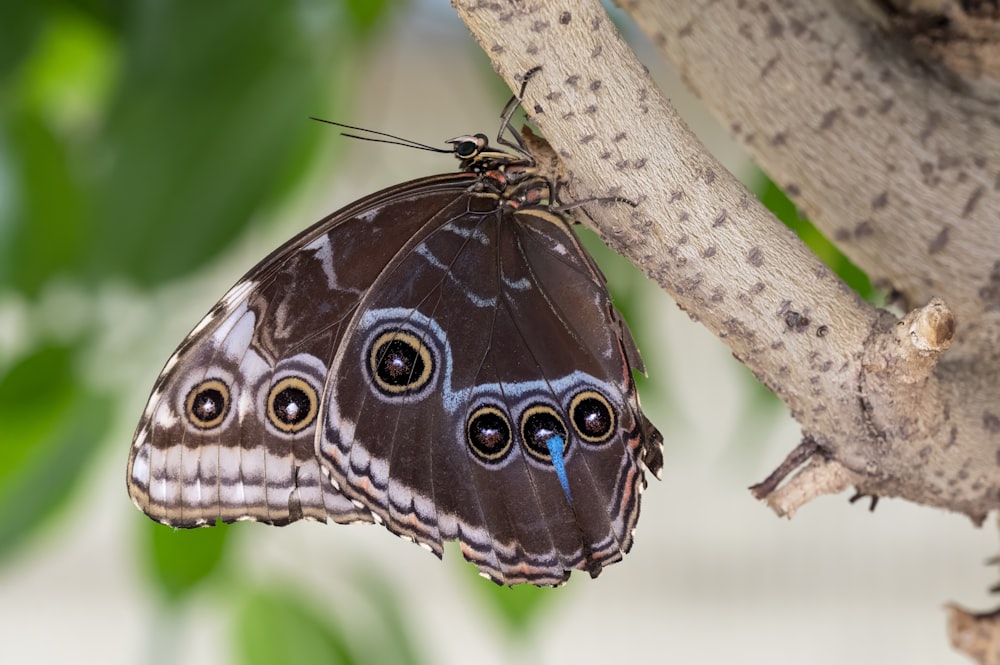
(476, 155)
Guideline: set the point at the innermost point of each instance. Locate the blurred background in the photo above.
(150, 153)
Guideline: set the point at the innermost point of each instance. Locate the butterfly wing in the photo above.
(427, 358)
(229, 430)
(485, 394)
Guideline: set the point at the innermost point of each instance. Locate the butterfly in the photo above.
(441, 357)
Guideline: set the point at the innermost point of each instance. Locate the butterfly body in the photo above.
(441, 357)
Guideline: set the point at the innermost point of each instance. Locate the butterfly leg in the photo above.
(509, 109)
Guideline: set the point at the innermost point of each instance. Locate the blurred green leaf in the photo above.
(368, 14)
(112, 14)
(145, 153)
(783, 208)
(389, 641)
(518, 608)
(70, 72)
(57, 91)
(181, 559)
(19, 26)
(208, 125)
(44, 232)
(279, 626)
(50, 427)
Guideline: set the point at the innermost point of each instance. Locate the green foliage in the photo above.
(519, 609)
(144, 153)
(367, 15)
(194, 146)
(389, 641)
(285, 625)
(279, 626)
(136, 141)
(48, 232)
(21, 23)
(181, 559)
(50, 426)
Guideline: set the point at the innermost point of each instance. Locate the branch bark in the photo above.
(856, 112)
(888, 135)
(898, 167)
(697, 232)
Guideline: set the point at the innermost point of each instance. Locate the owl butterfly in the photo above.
(441, 357)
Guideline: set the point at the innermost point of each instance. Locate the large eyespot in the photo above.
(488, 434)
(207, 404)
(400, 363)
(592, 416)
(292, 404)
(540, 425)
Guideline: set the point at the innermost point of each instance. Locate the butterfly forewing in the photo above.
(285, 319)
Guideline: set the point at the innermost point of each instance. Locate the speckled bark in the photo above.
(734, 268)
(893, 156)
(884, 131)
(881, 120)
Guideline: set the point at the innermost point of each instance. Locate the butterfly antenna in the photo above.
(391, 139)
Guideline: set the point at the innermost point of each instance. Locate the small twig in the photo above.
(802, 452)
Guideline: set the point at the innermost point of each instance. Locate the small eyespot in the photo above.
(540, 424)
(593, 416)
(487, 432)
(400, 363)
(292, 405)
(207, 404)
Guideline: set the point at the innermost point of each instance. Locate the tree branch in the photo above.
(724, 258)
(856, 112)
(887, 133)
(891, 142)
(878, 403)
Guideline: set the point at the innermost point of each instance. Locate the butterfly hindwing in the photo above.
(476, 340)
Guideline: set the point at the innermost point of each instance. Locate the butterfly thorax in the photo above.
(513, 178)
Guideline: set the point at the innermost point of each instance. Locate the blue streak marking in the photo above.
(555, 445)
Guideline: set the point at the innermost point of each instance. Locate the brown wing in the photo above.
(479, 336)
(229, 429)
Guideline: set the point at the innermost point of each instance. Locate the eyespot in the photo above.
(539, 424)
(207, 404)
(292, 404)
(592, 416)
(487, 432)
(400, 363)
